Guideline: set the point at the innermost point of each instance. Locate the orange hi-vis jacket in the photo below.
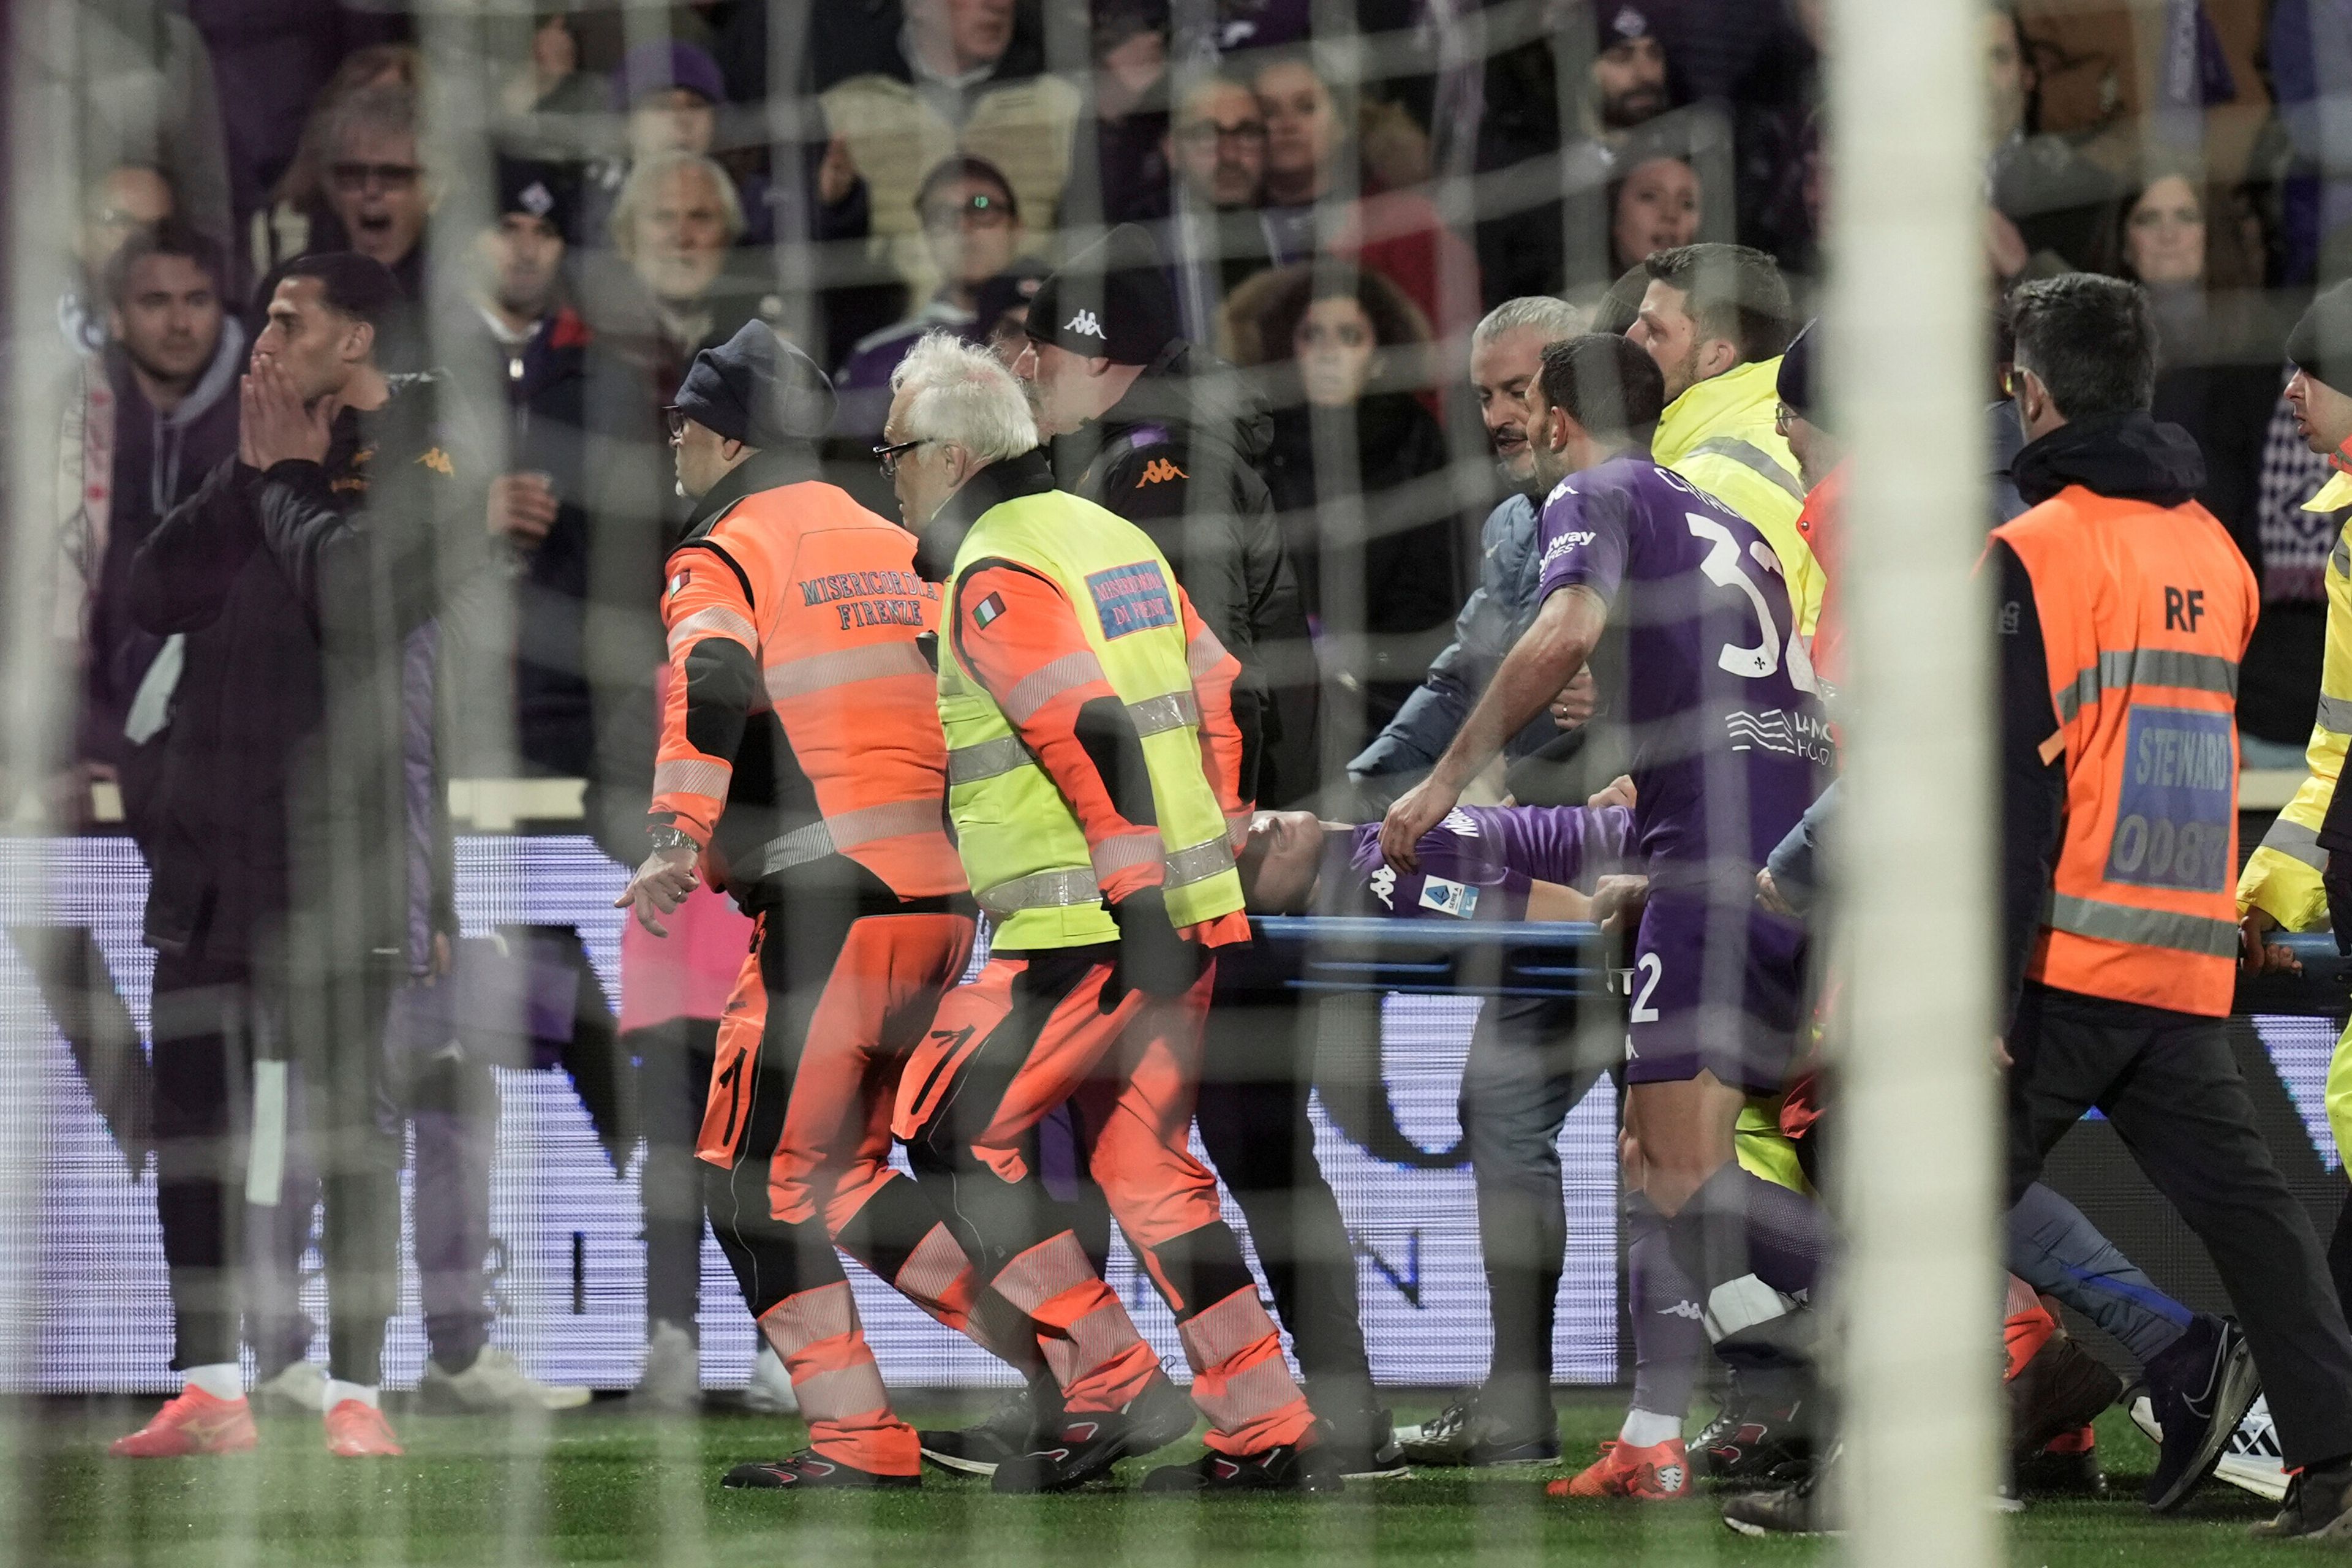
(795, 609)
(2146, 612)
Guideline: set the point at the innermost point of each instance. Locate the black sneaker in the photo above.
(2200, 1389)
(1464, 1433)
(1003, 1432)
(1361, 1440)
(1283, 1469)
(2061, 1390)
(1762, 1437)
(810, 1471)
(1802, 1509)
(2072, 1471)
(1088, 1443)
(2319, 1507)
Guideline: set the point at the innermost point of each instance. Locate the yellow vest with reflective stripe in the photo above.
(1022, 848)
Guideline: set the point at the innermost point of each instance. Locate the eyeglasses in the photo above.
(1782, 417)
(979, 209)
(388, 178)
(2012, 380)
(1203, 133)
(675, 416)
(888, 456)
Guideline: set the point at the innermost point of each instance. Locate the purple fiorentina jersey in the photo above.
(1729, 743)
(1477, 864)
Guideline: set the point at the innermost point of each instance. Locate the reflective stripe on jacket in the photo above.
(2146, 612)
(823, 596)
(1028, 856)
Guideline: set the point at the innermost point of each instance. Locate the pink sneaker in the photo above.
(194, 1423)
(357, 1431)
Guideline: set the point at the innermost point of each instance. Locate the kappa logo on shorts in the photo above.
(1384, 887)
(1084, 324)
(1131, 598)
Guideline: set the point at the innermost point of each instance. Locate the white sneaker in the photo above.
(298, 1389)
(495, 1382)
(770, 1392)
(673, 1375)
(2252, 1461)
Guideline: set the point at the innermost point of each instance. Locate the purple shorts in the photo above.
(1715, 988)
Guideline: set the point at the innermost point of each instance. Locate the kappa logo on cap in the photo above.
(1630, 23)
(536, 199)
(1084, 324)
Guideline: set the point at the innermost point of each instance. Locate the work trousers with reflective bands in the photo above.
(1031, 1033)
(797, 1128)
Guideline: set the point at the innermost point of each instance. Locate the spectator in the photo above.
(2217, 363)
(2052, 210)
(278, 64)
(377, 184)
(1376, 550)
(125, 201)
(579, 520)
(668, 96)
(1215, 235)
(1397, 233)
(962, 76)
(1118, 163)
(301, 216)
(1653, 206)
(1506, 354)
(972, 222)
(1623, 94)
(138, 88)
(1715, 319)
(145, 422)
(668, 291)
(551, 107)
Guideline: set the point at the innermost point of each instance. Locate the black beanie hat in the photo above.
(542, 190)
(756, 389)
(1111, 301)
(2321, 343)
(1796, 380)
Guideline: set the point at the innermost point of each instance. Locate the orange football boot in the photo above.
(194, 1423)
(357, 1431)
(1659, 1473)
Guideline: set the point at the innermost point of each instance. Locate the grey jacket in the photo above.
(1499, 611)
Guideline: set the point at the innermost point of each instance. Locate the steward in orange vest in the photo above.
(2124, 610)
(802, 766)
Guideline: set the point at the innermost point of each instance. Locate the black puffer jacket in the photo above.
(281, 812)
(1179, 456)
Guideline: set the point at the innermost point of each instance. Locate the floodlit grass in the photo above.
(610, 1485)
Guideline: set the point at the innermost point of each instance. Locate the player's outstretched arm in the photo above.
(1566, 630)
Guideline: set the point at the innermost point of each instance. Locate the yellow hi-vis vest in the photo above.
(1023, 851)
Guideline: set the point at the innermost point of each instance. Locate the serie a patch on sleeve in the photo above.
(1456, 898)
(987, 610)
(1132, 598)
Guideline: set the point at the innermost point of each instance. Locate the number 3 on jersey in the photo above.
(1722, 567)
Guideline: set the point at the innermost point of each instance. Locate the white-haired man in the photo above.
(1092, 762)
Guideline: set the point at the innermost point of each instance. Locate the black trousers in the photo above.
(1257, 1070)
(674, 1085)
(212, 1020)
(2168, 1082)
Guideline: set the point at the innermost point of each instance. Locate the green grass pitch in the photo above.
(608, 1485)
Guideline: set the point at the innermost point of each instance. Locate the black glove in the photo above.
(1152, 958)
(2337, 881)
